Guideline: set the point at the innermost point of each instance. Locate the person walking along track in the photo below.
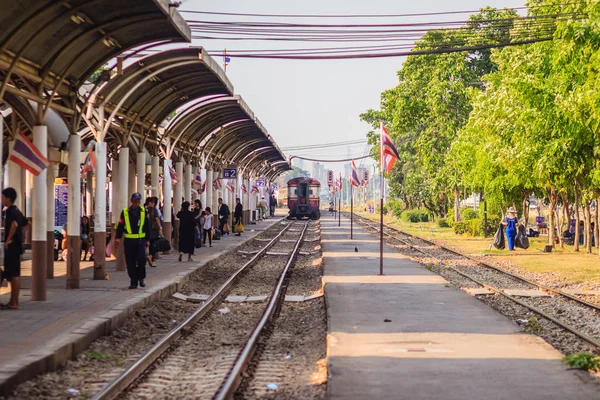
(134, 226)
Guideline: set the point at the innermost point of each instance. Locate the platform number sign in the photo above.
(261, 182)
(329, 177)
(230, 173)
(366, 176)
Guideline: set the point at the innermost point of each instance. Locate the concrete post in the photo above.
(154, 177)
(114, 182)
(100, 213)
(209, 189)
(38, 214)
(167, 194)
(123, 192)
(74, 214)
(203, 195)
(52, 172)
(15, 181)
(131, 183)
(187, 188)
(177, 200)
(141, 174)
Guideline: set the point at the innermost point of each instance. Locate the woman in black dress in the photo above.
(187, 231)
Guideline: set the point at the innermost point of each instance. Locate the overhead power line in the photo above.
(334, 144)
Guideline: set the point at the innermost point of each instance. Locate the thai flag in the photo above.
(254, 190)
(229, 186)
(174, 178)
(337, 185)
(89, 165)
(26, 155)
(197, 180)
(244, 189)
(217, 184)
(388, 153)
(354, 176)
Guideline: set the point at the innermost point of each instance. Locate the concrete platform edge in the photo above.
(58, 352)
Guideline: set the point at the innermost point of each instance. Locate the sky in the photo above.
(313, 102)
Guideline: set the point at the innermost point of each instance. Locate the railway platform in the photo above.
(410, 335)
(41, 336)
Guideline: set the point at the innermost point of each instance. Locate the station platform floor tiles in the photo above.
(41, 336)
(438, 342)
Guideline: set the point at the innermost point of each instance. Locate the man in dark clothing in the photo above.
(223, 213)
(13, 246)
(273, 205)
(135, 227)
(238, 214)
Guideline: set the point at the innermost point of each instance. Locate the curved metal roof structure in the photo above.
(61, 43)
(155, 86)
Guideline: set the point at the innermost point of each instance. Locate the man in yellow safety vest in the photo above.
(134, 226)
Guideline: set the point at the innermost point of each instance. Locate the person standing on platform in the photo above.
(155, 230)
(238, 214)
(264, 207)
(223, 214)
(13, 246)
(510, 221)
(187, 231)
(272, 204)
(207, 226)
(134, 226)
(86, 244)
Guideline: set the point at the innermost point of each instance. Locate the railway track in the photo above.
(210, 359)
(573, 314)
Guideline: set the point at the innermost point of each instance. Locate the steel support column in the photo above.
(52, 172)
(38, 215)
(154, 172)
(141, 174)
(167, 195)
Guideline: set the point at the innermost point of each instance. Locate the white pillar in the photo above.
(154, 177)
(74, 213)
(216, 192)
(247, 195)
(209, 189)
(178, 186)
(141, 174)
(204, 179)
(39, 203)
(123, 187)
(100, 213)
(167, 194)
(15, 181)
(187, 188)
(122, 191)
(52, 172)
(89, 194)
(116, 196)
(28, 193)
(131, 183)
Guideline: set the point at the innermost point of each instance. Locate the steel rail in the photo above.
(234, 377)
(483, 263)
(567, 327)
(128, 376)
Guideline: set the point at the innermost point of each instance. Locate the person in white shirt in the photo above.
(207, 227)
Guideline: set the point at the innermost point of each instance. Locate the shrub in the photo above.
(415, 216)
(444, 223)
(395, 205)
(378, 209)
(585, 361)
(474, 227)
(468, 214)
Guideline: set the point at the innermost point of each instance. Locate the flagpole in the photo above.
(340, 202)
(381, 200)
(351, 212)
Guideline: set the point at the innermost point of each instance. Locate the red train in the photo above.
(303, 198)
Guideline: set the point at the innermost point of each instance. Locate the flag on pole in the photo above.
(254, 190)
(174, 178)
(229, 186)
(217, 184)
(244, 189)
(89, 165)
(387, 152)
(337, 185)
(354, 176)
(26, 155)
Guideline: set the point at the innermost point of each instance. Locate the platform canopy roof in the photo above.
(224, 129)
(61, 43)
(155, 86)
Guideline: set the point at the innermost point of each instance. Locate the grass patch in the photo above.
(564, 264)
